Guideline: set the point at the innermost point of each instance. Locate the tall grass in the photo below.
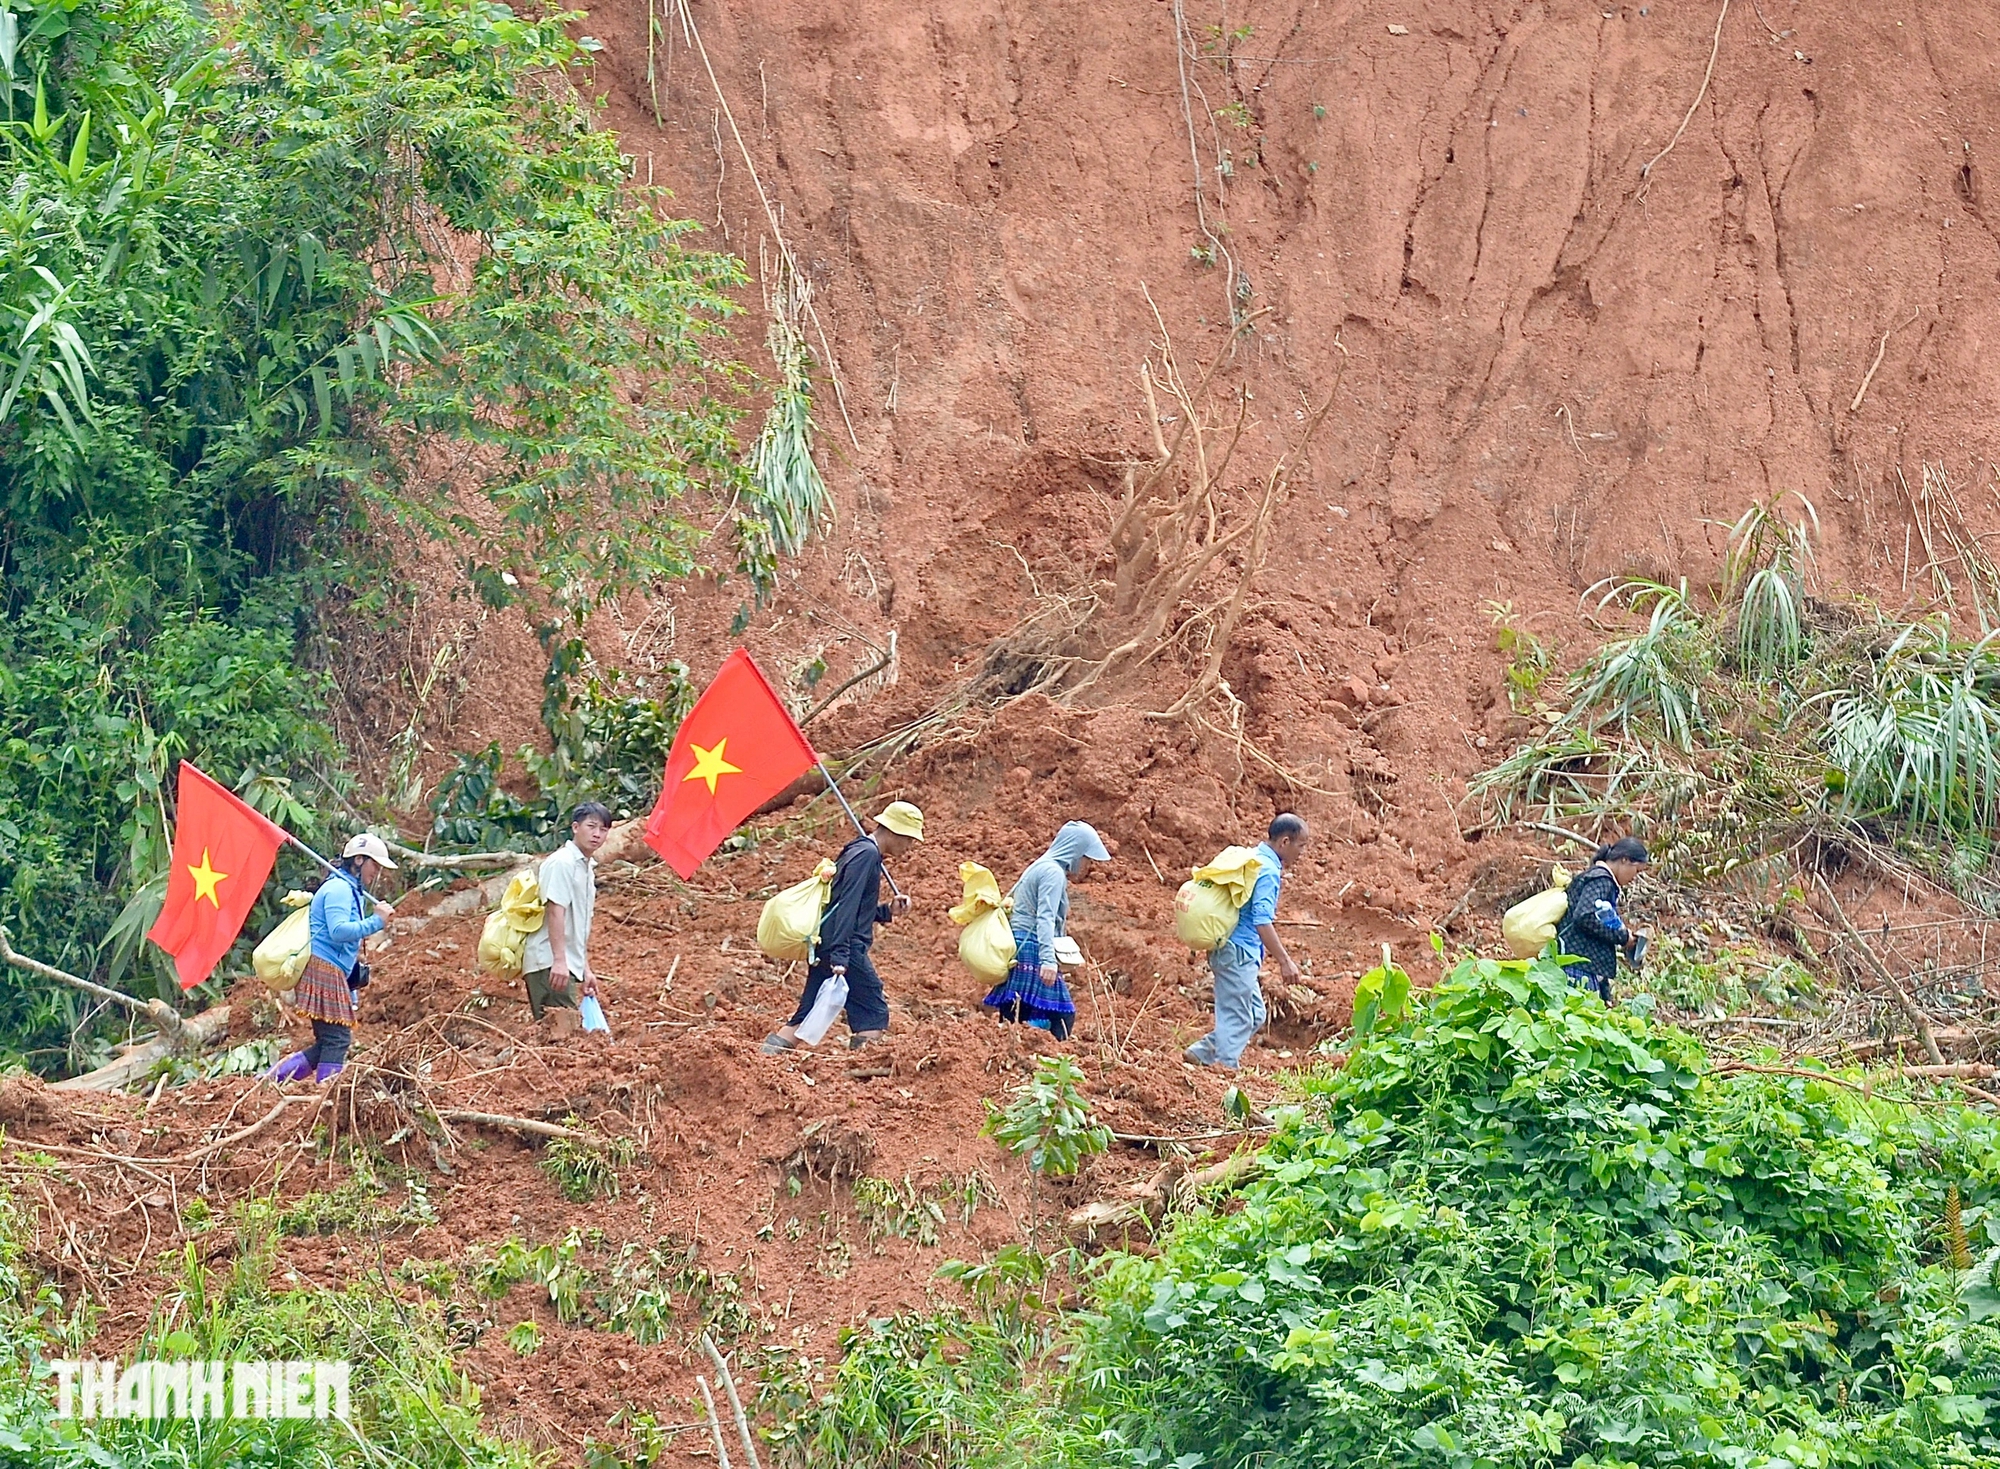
(1657, 674)
(1921, 737)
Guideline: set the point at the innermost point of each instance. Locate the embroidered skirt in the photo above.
(1025, 996)
(322, 994)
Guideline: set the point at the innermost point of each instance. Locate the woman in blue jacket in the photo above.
(334, 974)
(1033, 991)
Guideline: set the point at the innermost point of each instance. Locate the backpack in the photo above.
(1209, 903)
(1530, 925)
(508, 925)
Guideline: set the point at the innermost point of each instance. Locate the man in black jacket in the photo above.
(847, 929)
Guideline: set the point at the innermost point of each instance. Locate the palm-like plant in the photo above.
(1764, 575)
(1656, 673)
(1922, 738)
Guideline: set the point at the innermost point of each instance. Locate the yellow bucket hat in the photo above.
(903, 819)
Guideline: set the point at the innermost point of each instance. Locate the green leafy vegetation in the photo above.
(633, 1292)
(1513, 1228)
(582, 1172)
(361, 1203)
(1728, 728)
(1722, 977)
(277, 284)
(1529, 659)
(1048, 1121)
(412, 1407)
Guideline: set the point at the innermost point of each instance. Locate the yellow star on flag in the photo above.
(205, 879)
(709, 764)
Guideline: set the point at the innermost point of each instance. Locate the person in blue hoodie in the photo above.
(1033, 992)
(335, 973)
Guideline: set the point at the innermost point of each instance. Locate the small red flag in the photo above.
(737, 748)
(223, 851)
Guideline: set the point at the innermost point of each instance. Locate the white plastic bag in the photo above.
(831, 1000)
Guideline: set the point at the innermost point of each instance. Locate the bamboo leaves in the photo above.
(57, 380)
(788, 488)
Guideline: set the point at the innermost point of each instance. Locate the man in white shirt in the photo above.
(559, 949)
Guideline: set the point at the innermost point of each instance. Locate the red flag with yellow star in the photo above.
(223, 851)
(737, 748)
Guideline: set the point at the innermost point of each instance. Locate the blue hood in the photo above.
(1076, 839)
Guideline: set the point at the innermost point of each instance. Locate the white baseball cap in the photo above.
(367, 844)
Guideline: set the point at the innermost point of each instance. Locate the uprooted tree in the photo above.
(1186, 539)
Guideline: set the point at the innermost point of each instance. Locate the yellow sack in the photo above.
(508, 926)
(1530, 925)
(1208, 904)
(280, 956)
(987, 945)
(1235, 870)
(788, 928)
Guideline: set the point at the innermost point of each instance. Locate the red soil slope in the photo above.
(1556, 369)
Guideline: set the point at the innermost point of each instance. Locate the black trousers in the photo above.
(867, 1006)
(330, 1043)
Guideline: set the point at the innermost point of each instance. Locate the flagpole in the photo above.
(328, 865)
(834, 786)
(309, 852)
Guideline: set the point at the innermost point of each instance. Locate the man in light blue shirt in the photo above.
(1239, 999)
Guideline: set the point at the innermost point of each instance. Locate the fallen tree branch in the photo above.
(714, 1422)
(1170, 1185)
(1146, 1140)
(728, 1382)
(888, 657)
(521, 1124)
(196, 1032)
(1881, 971)
(205, 1151)
(158, 1011)
(459, 862)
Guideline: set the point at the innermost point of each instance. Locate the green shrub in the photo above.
(254, 261)
(1520, 1229)
(1514, 1229)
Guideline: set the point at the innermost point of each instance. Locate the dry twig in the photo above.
(1714, 50)
(1916, 1017)
(1882, 347)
